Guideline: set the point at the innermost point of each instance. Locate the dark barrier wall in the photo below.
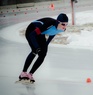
(13, 2)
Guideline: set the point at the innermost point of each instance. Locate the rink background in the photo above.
(65, 69)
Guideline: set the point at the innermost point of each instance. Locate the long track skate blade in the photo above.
(24, 81)
(19, 81)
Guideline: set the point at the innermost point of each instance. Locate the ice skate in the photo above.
(30, 76)
(23, 78)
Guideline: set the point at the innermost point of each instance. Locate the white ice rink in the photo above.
(64, 71)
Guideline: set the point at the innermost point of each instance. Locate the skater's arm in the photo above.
(49, 39)
(39, 29)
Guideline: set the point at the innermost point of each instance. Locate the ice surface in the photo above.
(64, 71)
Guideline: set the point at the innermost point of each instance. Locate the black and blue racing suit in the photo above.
(35, 35)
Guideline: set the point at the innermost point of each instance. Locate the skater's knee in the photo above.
(42, 54)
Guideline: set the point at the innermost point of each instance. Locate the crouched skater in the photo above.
(35, 35)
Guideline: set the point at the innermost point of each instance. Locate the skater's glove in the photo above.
(36, 51)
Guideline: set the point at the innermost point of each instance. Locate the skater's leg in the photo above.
(28, 61)
(31, 56)
(42, 43)
(39, 61)
(36, 65)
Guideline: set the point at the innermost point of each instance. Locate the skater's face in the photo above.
(62, 26)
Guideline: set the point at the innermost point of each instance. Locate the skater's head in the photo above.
(62, 17)
(62, 21)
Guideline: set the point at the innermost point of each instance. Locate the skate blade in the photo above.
(24, 81)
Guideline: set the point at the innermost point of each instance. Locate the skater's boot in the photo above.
(31, 77)
(23, 76)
